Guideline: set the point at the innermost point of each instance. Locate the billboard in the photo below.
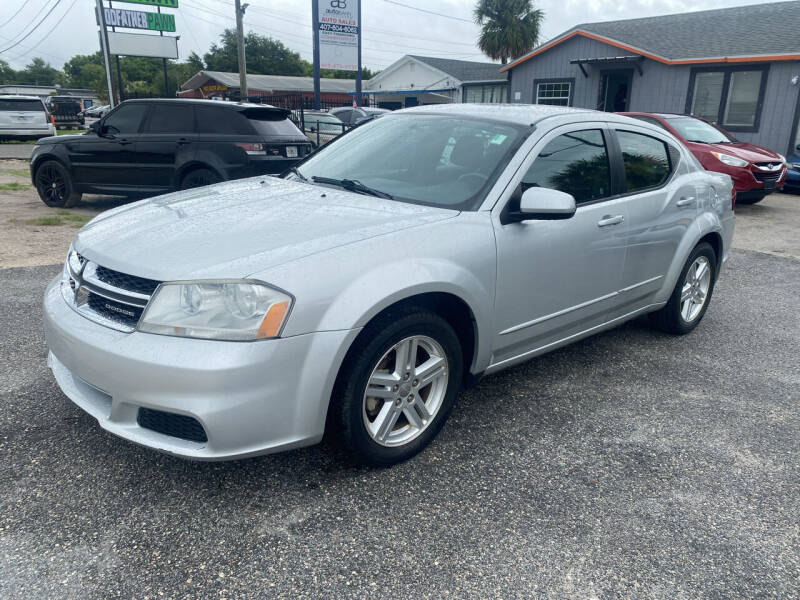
(338, 34)
(163, 3)
(137, 19)
(139, 44)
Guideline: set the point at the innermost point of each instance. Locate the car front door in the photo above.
(558, 278)
(107, 159)
(168, 141)
(662, 197)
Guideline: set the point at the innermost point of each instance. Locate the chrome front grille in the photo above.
(108, 297)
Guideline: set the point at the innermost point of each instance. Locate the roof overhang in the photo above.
(411, 91)
(602, 60)
(650, 55)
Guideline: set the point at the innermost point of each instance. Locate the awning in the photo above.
(601, 60)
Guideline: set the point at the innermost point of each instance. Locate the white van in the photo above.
(24, 117)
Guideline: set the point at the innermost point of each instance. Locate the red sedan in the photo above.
(756, 171)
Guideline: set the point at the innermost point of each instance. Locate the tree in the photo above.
(509, 28)
(39, 72)
(7, 74)
(265, 56)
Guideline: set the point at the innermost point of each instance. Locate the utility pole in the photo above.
(315, 25)
(240, 8)
(101, 19)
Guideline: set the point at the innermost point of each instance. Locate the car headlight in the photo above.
(783, 158)
(235, 310)
(730, 160)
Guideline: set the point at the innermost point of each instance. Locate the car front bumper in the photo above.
(250, 397)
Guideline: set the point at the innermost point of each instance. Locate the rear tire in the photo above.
(410, 409)
(55, 186)
(692, 294)
(199, 178)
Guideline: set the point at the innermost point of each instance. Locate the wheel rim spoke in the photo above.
(694, 292)
(405, 390)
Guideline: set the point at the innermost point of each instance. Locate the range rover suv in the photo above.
(148, 147)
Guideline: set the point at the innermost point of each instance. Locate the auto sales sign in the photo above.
(338, 34)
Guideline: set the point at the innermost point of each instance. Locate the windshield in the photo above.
(325, 124)
(422, 159)
(695, 130)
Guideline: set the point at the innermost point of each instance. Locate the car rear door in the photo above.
(168, 141)
(108, 160)
(23, 115)
(662, 197)
(558, 278)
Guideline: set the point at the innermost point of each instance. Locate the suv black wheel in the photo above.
(199, 178)
(397, 387)
(55, 186)
(692, 293)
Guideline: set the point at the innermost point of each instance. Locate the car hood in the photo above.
(743, 150)
(239, 228)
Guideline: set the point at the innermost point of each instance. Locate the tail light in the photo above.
(251, 149)
(52, 119)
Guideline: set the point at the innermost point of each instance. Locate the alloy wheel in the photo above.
(405, 391)
(695, 289)
(51, 184)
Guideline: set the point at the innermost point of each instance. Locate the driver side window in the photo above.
(575, 163)
(126, 119)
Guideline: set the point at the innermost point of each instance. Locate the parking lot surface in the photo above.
(633, 464)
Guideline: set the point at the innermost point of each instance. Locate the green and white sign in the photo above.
(137, 19)
(164, 3)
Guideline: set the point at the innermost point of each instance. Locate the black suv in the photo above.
(148, 147)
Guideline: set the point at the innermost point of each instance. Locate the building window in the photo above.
(729, 96)
(557, 92)
(485, 94)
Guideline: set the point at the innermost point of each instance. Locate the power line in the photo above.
(27, 35)
(47, 35)
(14, 15)
(430, 12)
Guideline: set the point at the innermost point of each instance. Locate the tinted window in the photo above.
(575, 163)
(344, 115)
(220, 120)
(270, 126)
(650, 120)
(22, 104)
(171, 118)
(126, 119)
(646, 160)
(695, 130)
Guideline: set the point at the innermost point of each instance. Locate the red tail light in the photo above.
(251, 148)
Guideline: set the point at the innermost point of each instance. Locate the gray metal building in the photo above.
(738, 67)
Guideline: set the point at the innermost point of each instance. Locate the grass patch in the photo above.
(13, 187)
(25, 173)
(62, 217)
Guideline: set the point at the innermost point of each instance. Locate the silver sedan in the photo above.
(360, 292)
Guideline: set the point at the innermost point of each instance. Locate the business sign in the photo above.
(140, 44)
(338, 34)
(162, 3)
(137, 19)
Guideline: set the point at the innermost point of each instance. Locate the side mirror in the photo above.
(95, 127)
(798, 148)
(544, 204)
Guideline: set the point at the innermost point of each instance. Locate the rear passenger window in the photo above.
(224, 121)
(171, 118)
(646, 160)
(126, 119)
(21, 104)
(575, 163)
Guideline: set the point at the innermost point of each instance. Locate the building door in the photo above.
(412, 101)
(615, 90)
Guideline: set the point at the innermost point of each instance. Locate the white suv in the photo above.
(24, 117)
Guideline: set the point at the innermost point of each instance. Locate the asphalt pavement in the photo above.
(19, 151)
(630, 465)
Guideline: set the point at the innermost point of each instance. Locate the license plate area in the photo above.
(291, 151)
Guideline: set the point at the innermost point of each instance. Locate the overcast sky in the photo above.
(389, 30)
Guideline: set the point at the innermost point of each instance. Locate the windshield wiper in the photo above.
(353, 185)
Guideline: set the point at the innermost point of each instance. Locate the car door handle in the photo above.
(685, 201)
(184, 141)
(123, 141)
(609, 220)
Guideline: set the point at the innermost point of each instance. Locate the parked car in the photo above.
(756, 171)
(66, 111)
(96, 112)
(792, 183)
(147, 147)
(352, 116)
(361, 291)
(24, 117)
(320, 127)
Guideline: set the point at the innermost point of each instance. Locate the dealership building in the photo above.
(738, 67)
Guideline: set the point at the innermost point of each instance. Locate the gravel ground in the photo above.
(630, 465)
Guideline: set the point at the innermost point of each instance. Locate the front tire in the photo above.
(55, 186)
(396, 387)
(692, 293)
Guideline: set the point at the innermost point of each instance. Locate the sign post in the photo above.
(315, 19)
(104, 46)
(337, 40)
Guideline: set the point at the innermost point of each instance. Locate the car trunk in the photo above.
(22, 113)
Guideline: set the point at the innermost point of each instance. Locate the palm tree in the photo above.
(509, 28)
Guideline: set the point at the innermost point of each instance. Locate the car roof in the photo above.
(201, 102)
(516, 114)
(18, 97)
